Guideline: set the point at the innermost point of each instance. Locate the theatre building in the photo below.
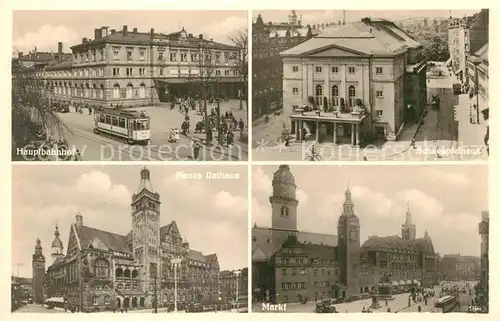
(102, 270)
(354, 82)
(133, 68)
(289, 265)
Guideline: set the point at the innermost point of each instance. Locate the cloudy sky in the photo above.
(444, 200)
(324, 16)
(31, 28)
(210, 214)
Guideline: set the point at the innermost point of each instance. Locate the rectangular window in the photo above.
(160, 56)
(183, 56)
(173, 56)
(101, 53)
(283, 272)
(217, 72)
(194, 57)
(380, 112)
(295, 90)
(129, 55)
(352, 70)
(319, 69)
(142, 53)
(335, 70)
(96, 300)
(116, 53)
(379, 94)
(217, 58)
(295, 68)
(378, 70)
(227, 73)
(161, 71)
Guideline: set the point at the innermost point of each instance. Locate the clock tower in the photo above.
(349, 246)
(38, 265)
(146, 230)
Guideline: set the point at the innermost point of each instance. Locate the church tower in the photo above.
(146, 230)
(57, 246)
(349, 246)
(38, 266)
(292, 18)
(408, 229)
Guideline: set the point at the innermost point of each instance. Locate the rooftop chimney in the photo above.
(212, 39)
(59, 52)
(84, 40)
(104, 31)
(125, 30)
(20, 54)
(79, 220)
(113, 31)
(135, 30)
(97, 33)
(190, 35)
(200, 36)
(152, 33)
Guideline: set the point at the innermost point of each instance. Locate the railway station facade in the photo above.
(102, 270)
(133, 68)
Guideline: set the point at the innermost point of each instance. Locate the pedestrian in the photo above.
(196, 150)
(413, 143)
(419, 309)
(388, 309)
(90, 110)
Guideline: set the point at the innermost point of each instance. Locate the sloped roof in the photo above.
(260, 239)
(58, 261)
(482, 52)
(391, 242)
(375, 37)
(320, 251)
(145, 39)
(112, 241)
(196, 256)
(425, 244)
(164, 230)
(211, 258)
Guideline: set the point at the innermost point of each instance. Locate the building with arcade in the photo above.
(290, 265)
(102, 270)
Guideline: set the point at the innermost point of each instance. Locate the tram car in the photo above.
(132, 126)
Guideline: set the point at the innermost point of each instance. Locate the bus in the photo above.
(446, 303)
(132, 126)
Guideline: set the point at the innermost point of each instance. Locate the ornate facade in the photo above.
(133, 68)
(291, 265)
(103, 270)
(366, 79)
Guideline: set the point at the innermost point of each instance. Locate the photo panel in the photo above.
(364, 85)
(130, 86)
(130, 239)
(386, 239)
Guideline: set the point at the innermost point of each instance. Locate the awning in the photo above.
(408, 282)
(402, 282)
(394, 283)
(415, 282)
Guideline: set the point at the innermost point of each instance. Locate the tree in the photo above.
(240, 40)
(31, 112)
(433, 37)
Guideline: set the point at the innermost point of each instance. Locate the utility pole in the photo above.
(343, 17)
(219, 138)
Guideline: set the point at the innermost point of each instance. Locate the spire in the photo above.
(38, 246)
(56, 232)
(348, 204)
(57, 245)
(426, 234)
(348, 196)
(145, 182)
(408, 215)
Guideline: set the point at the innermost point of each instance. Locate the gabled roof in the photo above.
(211, 258)
(371, 37)
(116, 242)
(196, 256)
(261, 242)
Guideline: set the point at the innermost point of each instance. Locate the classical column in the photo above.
(335, 133)
(299, 129)
(353, 127)
(317, 130)
(357, 135)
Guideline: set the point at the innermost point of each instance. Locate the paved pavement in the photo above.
(98, 147)
(34, 308)
(399, 305)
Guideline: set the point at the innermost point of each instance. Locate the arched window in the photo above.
(335, 95)
(94, 91)
(116, 92)
(86, 93)
(126, 273)
(130, 91)
(101, 92)
(352, 96)
(101, 268)
(319, 95)
(142, 91)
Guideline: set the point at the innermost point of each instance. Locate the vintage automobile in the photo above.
(435, 102)
(62, 108)
(325, 306)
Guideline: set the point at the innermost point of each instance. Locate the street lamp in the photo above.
(175, 263)
(237, 273)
